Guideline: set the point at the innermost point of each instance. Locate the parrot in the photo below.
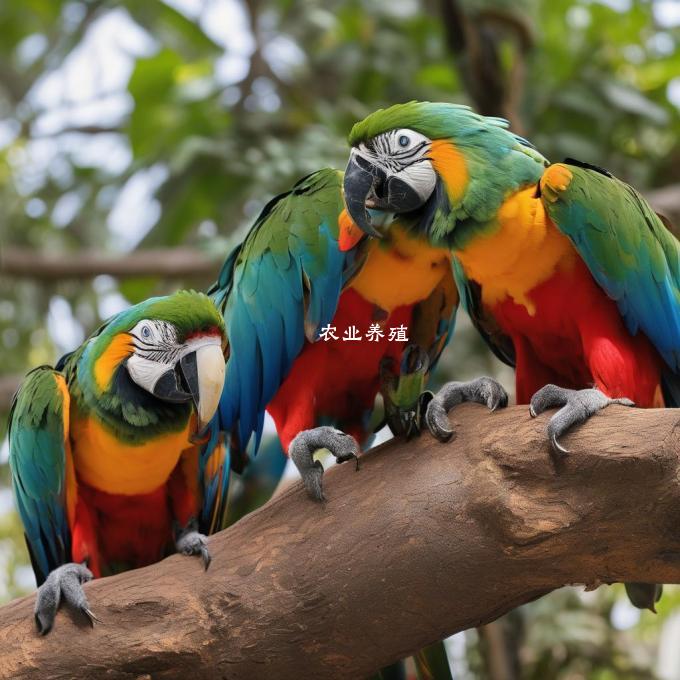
(565, 270)
(104, 449)
(305, 276)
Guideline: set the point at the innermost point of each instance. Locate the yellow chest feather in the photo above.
(524, 251)
(400, 270)
(105, 463)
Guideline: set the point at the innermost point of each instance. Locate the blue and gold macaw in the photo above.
(305, 269)
(566, 271)
(104, 448)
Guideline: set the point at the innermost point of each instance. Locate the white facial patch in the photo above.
(402, 153)
(157, 350)
(146, 372)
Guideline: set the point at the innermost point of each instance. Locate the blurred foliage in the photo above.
(130, 124)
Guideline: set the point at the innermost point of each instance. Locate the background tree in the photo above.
(127, 126)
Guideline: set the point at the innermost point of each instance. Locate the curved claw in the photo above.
(549, 396)
(206, 557)
(44, 622)
(437, 421)
(64, 582)
(496, 402)
(354, 457)
(91, 617)
(303, 447)
(191, 542)
(481, 391)
(576, 407)
(557, 447)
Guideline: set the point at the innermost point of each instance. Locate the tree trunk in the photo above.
(425, 540)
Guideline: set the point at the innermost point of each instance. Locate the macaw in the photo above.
(566, 271)
(302, 279)
(104, 448)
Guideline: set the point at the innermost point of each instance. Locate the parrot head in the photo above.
(439, 162)
(166, 349)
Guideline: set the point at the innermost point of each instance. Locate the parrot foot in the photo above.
(577, 407)
(64, 582)
(481, 391)
(191, 542)
(301, 451)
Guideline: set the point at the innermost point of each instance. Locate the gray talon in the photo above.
(64, 582)
(481, 391)
(576, 407)
(437, 420)
(306, 443)
(191, 542)
(90, 615)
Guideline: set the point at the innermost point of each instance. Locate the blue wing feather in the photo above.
(280, 286)
(38, 446)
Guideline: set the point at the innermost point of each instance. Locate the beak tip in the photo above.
(211, 369)
(357, 185)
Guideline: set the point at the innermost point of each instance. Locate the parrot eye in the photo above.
(146, 332)
(403, 141)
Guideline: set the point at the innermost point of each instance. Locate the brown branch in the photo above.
(164, 262)
(425, 540)
(80, 130)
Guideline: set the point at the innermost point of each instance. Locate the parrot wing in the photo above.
(471, 301)
(42, 468)
(214, 471)
(626, 246)
(430, 330)
(434, 319)
(278, 288)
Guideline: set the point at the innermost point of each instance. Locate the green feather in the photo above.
(628, 250)
(136, 416)
(38, 462)
(498, 161)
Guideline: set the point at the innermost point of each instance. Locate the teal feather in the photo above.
(38, 431)
(279, 287)
(37, 435)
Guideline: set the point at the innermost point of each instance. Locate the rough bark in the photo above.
(426, 539)
(180, 262)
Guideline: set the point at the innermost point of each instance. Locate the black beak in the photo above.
(365, 181)
(361, 179)
(180, 384)
(189, 370)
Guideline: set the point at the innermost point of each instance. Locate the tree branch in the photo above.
(425, 540)
(165, 262)
(81, 130)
